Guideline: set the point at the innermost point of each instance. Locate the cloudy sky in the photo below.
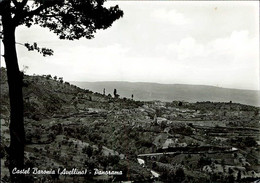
(207, 43)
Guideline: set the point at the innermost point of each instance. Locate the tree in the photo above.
(250, 142)
(61, 79)
(48, 76)
(179, 175)
(88, 150)
(238, 175)
(115, 93)
(69, 19)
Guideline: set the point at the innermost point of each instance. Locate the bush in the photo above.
(179, 175)
(48, 76)
(250, 142)
(204, 161)
(113, 160)
(88, 150)
(145, 143)
(94, 137)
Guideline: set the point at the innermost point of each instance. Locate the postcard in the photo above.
(129, 91)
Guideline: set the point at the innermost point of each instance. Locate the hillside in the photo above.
(68, 127)
(169, 92)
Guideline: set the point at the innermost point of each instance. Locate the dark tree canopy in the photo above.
(69, 19)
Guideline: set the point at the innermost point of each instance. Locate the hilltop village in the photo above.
(94, 137)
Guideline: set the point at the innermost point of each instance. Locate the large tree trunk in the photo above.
(16, 150)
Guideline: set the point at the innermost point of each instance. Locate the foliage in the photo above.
(61, 79)
(94, 137)
(88, 150)
(204, 161)
(243, 141)
(249, 141)
(48, 76)
(43, 51)
(115, 94)
(113, 159)
(69, 19)
(145, 143)
(171, 175)
(179, 175)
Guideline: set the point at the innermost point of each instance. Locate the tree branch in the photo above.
(34, 46)
(35, 12)
(19, 43)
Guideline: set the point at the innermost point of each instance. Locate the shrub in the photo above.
(88, 150)
(204, 161)
(48, 76)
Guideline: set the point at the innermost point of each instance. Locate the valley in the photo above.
(109, 138)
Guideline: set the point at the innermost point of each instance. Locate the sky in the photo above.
(174, 42)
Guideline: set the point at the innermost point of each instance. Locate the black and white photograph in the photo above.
(129, 91)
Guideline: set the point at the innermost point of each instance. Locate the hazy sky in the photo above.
(208, 43)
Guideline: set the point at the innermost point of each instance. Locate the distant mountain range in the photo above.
(169, 92)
